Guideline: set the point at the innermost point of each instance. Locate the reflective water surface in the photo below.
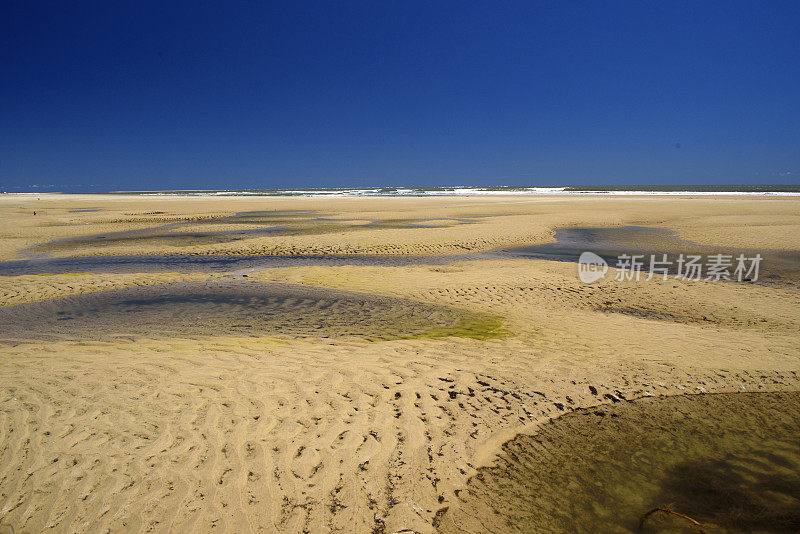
(777, 267)
(780, 267)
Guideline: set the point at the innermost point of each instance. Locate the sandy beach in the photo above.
(370, 397)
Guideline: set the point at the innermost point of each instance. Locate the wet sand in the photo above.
(225, 307)
(362, 386)
(207, 263)
(779, 268)
(776, 267)
(244, 225)
(730, 461)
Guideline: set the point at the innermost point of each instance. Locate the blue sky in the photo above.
(166, 95)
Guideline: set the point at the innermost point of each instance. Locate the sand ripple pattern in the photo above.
(249, 436)
(267, 434)
(223, 307)
(731, 462)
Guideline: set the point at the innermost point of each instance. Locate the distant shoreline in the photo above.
(665, 190)
(496, 190)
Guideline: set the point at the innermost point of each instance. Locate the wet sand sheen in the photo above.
(730, 461)
(777, 267)
(236, 308)
(205, 231)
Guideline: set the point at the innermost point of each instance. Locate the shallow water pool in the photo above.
(234, 308)
(729, 461)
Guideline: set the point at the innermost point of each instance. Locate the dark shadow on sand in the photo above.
(730, 461)
(779, 268)
(229, 308)
(207, 232)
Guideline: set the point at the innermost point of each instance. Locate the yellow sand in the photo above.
(36, 288)
(767, 222)
(237, 435)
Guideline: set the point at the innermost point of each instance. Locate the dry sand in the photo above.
(206, 429)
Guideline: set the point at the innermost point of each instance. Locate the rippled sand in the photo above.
(731, 462)
(225, 307)
(150, 410)
(343, 225)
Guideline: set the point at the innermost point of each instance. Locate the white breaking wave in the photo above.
(461, 191)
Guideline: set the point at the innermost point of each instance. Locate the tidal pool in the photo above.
(729, 461)
(778, 267)
(781, 267)
(236, 308)
(212, 263)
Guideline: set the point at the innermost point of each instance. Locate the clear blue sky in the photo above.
(162, 95)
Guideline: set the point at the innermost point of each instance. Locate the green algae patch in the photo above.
(480, 327)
